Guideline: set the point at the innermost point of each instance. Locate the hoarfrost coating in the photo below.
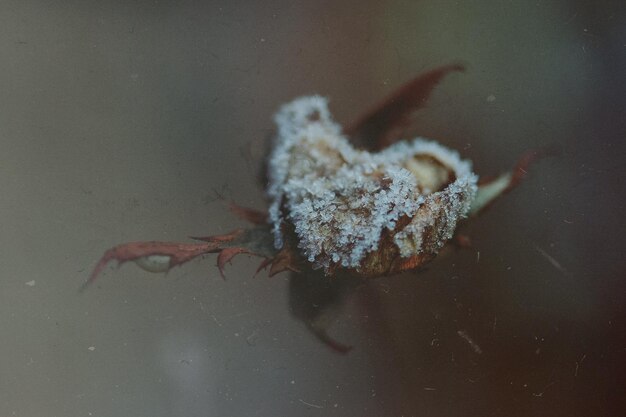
(341, 201)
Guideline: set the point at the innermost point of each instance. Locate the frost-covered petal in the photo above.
(342, 202)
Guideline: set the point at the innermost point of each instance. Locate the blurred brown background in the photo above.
(124, 121)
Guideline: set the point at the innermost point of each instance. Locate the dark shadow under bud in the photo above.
(317, 299)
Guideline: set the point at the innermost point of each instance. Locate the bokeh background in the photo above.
(124, 120)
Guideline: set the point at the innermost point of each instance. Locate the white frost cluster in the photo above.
(340, 200)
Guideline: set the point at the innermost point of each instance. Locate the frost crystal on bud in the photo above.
(358, 210)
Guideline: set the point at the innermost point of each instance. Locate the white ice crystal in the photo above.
(340, 200)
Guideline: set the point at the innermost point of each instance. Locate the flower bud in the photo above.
(367, 213)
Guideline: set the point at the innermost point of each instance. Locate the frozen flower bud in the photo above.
(369, 213)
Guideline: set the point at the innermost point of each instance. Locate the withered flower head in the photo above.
(337, 208)
(370, 213)
(352, 213)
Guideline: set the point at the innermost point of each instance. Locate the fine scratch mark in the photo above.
(540, 394)
(309, 404)
(216, 320)
(463, 334)
(251, 339)
(550, 259)
(578, 363)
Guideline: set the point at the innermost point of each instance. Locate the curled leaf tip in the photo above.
(325, 338)
(520, 170)
(109, 255)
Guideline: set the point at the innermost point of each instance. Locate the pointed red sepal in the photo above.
(285, 260)
(251, 215)
(528, 158)
(378, 127)
(491, 189)
(225, 256)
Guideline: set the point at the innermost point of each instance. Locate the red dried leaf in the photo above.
(251, 215)
(167, 254)
(162, 256)
(377, 127)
